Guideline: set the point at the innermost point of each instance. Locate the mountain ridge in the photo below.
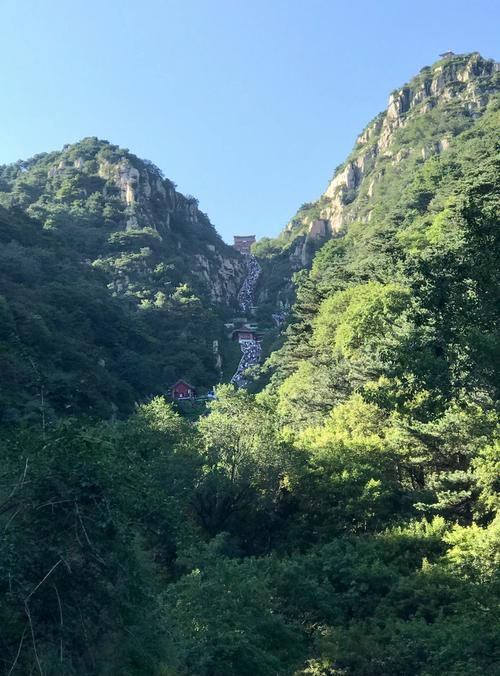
(469, 79)
(100, 191)
(422, 120)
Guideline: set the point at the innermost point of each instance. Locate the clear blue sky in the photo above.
(247, 104)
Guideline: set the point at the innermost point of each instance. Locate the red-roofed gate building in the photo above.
(244, 334)
(243, 243)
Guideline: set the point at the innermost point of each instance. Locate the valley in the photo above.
(274, 458)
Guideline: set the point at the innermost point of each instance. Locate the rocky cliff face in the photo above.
(420, 121)
(129, 220)
(153, 202)
(143, 188)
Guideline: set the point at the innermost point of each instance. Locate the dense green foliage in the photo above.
(407, 307)
(342, 521)
(230, 548)
(67, 345)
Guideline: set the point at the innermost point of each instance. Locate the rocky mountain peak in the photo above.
(420, 121)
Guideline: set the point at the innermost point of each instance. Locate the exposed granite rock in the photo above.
(318, 229)
(222, 275)
(468, 80)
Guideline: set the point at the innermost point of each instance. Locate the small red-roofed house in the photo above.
(182, 390)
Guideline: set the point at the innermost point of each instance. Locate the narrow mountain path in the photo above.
(250, 349)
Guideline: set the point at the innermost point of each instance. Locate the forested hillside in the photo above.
(112, 284)
(341, 521)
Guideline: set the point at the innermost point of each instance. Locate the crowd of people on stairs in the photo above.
(245, 295)
(251, 355)
(250, 349)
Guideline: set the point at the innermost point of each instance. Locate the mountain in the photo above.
(123, 216)
(396, 207)
(113, 284)
(423, 119)
(426, 265)
(341, 520)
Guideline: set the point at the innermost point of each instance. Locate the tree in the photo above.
(246, 463)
